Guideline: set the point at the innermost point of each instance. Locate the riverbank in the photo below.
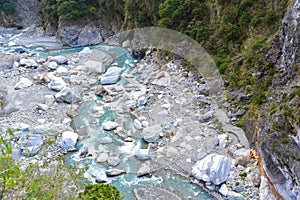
(172, 101)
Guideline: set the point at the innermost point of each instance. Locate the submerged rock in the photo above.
(214, 168)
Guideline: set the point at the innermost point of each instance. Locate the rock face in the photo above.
(280, 155)
(213, 168)
(79, 34)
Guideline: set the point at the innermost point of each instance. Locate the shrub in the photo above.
(100, 192)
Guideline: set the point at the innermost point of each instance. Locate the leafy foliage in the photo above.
(100, 192)
(7, 7)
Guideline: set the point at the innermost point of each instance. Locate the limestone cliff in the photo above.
(275, 131)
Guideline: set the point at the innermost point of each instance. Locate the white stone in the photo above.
(212, 168)
(23, 83)
(111, 76)
(69, 139)
(151, 133)
(56, 83)
(224, 190)
(53, 65)
(85, 51)
(28, 62)
(109, 125)
(137, 124)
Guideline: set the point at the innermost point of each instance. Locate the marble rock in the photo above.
(213, 168)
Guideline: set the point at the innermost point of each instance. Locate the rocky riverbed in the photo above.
(183, 128)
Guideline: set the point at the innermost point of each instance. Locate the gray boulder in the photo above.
(49, 129)
(111, 76)
(60, 59)
(151, 133)
(65, 96)
(213, 168)
(30, 145)
(113, 161)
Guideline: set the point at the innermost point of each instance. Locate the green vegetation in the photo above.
(243, 176)
(7, 7)
(100, 192)
(53, 180)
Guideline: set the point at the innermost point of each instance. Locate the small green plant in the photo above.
(100, 192)
(243, 176)
(276, 126)
(237, 183)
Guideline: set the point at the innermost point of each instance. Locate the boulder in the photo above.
(137, 124)
(234, 196)
(49, 129)
(53, 65)
(145, 169)
(109, 125)
(142, 154)
(213, 168)
(102, 158)
(65, 96)
(23, 83)
(106, 140)
(69, 140)
(151, 133)
(114, 172)
(28, 62)
(224, 190)
(113, 161)
(100, 91)
(142, 101)
(84, 151)
(31, 145)
(60, 59)
(85, 51)
(111, 76)
(42, 107)
(56, 83)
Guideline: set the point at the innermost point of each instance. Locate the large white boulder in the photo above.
(111, 76)
(212, 168)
